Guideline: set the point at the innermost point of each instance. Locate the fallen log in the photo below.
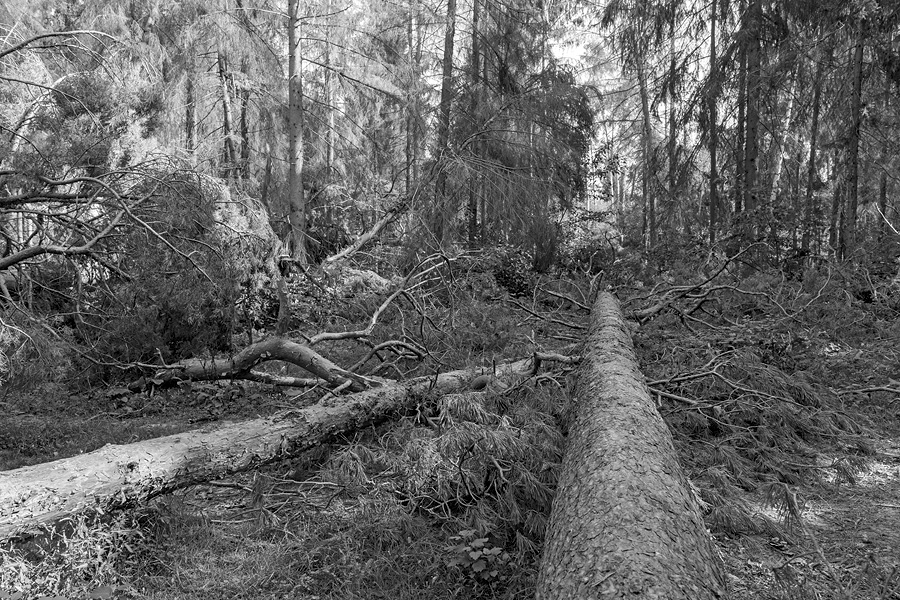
(624, 523)
(240, 366)
(120, 476)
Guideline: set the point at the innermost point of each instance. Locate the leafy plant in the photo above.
(477, 558)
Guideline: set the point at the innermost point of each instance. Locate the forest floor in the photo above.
(845, 546)
(337, 522)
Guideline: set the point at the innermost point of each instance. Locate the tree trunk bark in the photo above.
(474, 179)
(330, 108)
(885, 157)
(837, 208)
(808, 211)
(244, 95)
(713, 130)
(443, 132)
(241, 365)
(781, 143)
(230, 154)
(647, 199)
(190, 118)
(754, 91)
(297, 203)
(121, 476)
(624, 523)
(668, 210)
(848, 231)
(741, 135)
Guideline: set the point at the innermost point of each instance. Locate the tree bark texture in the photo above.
(443, 130)
(713, 131)
(244, 96)
(741, 141)
(230, 154)
(884, 158)
(848, 232)
(647, 199)
(190, 118)
(472, 209)
(241, 364)
(623, 523)
(809, 212)
(753, 95)
(121, 476)
(297, 202)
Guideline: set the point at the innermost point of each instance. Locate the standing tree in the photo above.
(296, 199)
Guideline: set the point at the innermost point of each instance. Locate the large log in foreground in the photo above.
(118, 476)
(624, 523)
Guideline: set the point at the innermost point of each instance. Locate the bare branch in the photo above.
(24, 44)
(85, 248)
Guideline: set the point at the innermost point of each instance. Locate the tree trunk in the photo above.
(414, 39)
(330, 108)
(885, 157)
(241, 365)
(472, 210)
(647, 199)
(741, 134)
(781, 142)
(754, 90)
(624, 523)
(713, 132)
(123, 476)
(808, 211)
(443, 132)
(780, 145)
(410, 95)
(230, 154)
(190, 118)
(848, 231)
(244, 95)
(296, 200)
(837, 208)
(666, 211)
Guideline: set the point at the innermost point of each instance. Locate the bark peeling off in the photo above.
(623, 524)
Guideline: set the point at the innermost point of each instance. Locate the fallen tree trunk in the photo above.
(240, 366)
(624, 523)
(121, 476)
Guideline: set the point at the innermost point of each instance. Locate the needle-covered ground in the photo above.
(782, 399)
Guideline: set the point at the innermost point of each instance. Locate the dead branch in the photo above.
(373, 320)
(365, 238)
(85, 248)
(549, 319)
(580, 305)
(25, 43)
(241, 365)
(679, 292)
(870, 390)
(554, 357)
